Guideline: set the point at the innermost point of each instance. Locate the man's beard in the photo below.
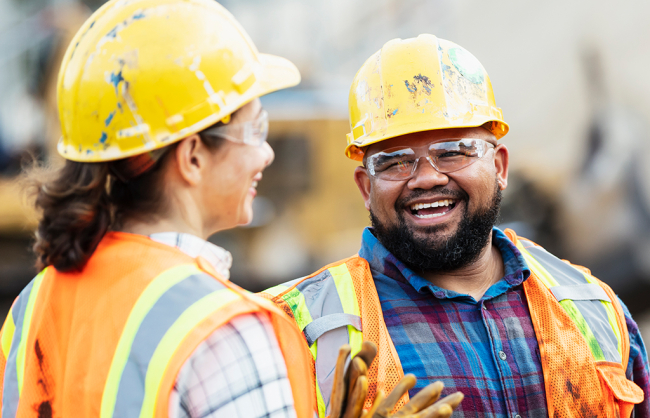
(435, 252)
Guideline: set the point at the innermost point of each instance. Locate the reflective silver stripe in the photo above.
(10, 394)
(322, 299)
(593, 311)
(167, 309)
(563, 273)
(589, 291)
(320, 326)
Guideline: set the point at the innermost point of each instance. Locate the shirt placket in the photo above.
(504, 361)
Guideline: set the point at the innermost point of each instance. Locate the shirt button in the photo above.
(517, 416)
(503, 356)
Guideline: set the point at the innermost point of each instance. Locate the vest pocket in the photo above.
(618, 389)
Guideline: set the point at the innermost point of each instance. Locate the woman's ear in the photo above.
(191, 159)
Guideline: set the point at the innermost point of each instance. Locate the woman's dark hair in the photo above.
(80, 202)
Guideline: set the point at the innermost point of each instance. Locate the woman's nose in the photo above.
(270, 155)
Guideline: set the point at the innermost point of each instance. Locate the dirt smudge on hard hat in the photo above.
(424, 82)
(391, 112)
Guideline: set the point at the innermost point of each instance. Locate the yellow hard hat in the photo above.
(419, 84)
(142, 74)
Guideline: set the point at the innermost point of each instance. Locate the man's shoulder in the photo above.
(287, 289)
(529, 244)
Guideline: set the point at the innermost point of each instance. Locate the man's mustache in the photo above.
(438, 192)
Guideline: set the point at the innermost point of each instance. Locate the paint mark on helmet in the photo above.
(467, 65)
(139, 15)
(103, 138)
(115, 79)
(411, 87)
(391, 113)
(109, 119)
(112, 34)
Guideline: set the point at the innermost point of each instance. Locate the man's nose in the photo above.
(426, 176)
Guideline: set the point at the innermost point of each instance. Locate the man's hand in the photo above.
(350, 389)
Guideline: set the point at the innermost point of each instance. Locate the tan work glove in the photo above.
(350, 389)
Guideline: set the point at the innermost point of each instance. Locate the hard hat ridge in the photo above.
(419, 84)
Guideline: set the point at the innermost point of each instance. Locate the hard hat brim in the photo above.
(499, 129)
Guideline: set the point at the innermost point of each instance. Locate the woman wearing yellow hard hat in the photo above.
(132, 315)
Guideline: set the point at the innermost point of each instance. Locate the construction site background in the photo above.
(570, 76)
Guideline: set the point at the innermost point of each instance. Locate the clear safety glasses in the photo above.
(252, 132)
(400, 163)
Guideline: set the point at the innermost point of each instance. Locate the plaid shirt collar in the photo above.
(383, 262)
(195, 247)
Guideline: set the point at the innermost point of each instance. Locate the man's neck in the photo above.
(474, 279)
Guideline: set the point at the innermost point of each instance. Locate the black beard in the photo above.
(437, 253)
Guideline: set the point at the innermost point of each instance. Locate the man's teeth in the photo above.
(445, 202)
(254, 184)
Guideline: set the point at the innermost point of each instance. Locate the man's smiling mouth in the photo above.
(433, 209)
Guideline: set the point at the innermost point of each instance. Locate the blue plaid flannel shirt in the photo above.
(486, 349)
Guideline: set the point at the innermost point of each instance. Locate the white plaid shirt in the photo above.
(238, 371)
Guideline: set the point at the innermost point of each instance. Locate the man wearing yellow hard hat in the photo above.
(442, 292)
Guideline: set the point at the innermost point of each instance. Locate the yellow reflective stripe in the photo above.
(8, 330)
(319, 396)
(296, 302)
(22, 347)
(163, 282)
(534, 265)
(183, 326)
(569, 306)
(345, 289)
(276, 290)
(611, 316)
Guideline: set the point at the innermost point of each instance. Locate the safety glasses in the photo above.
(252, 132)
(401, 163)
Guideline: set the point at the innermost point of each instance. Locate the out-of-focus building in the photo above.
(571, 78)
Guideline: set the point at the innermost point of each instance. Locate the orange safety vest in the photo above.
(584, 371)
(109, 341)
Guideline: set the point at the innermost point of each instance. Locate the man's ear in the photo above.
(362, 179)
(191, 159)
(501, 161)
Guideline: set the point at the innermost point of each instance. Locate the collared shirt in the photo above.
(486, 349)
(239, 371)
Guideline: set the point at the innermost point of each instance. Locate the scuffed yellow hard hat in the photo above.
(419, 84)
(142, 74)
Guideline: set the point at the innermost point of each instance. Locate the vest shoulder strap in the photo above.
(584, 298)
(339, 305)
(582, 336)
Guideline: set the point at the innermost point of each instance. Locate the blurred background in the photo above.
(572, 77)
